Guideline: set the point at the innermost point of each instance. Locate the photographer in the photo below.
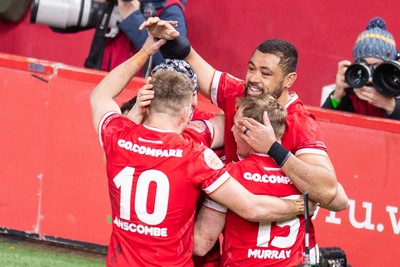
(130, 39)
(117, 36)
(373, 47)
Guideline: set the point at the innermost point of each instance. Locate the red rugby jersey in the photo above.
(154, 178)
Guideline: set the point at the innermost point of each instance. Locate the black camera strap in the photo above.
(95, 57)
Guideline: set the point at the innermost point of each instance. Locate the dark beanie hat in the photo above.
(375, 42)
(180, 66)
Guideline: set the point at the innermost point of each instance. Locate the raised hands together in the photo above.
(160, 29)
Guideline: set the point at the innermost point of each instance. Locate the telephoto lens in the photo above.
(386, 78)
(66, 13)
(358, 74)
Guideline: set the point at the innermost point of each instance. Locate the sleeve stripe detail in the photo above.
(210, 128)
(214, 86)
(311, 151)
(220, 181)
(105, 116)
(211, 204)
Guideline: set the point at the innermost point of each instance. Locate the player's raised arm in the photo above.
(179, 47)
(102, 97)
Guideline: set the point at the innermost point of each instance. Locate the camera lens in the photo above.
(357, 75)
(65, 13)
(386, 78)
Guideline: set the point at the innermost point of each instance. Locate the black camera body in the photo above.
(385, 77)
(332, 257)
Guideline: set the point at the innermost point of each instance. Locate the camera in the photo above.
(385, 77)
(63, 14)
(332, 257)
(71, 16)
(358, 74)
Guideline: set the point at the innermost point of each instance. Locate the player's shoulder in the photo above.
(297, 112)
(225, 79)
(199, 126)
(114, 119)
(198, 131)
(200, 153)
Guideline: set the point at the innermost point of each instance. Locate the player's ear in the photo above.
(184, 115)
(290, 79)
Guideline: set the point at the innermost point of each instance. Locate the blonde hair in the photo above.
(254, 107)
(172, 92)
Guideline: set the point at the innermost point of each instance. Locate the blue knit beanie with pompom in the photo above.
(375, 42)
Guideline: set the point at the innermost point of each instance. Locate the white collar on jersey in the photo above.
(158, 129)
(293, 97)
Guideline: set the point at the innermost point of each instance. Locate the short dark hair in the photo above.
(282, 49)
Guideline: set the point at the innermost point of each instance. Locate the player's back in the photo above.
(263, 243)
(155, 177)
